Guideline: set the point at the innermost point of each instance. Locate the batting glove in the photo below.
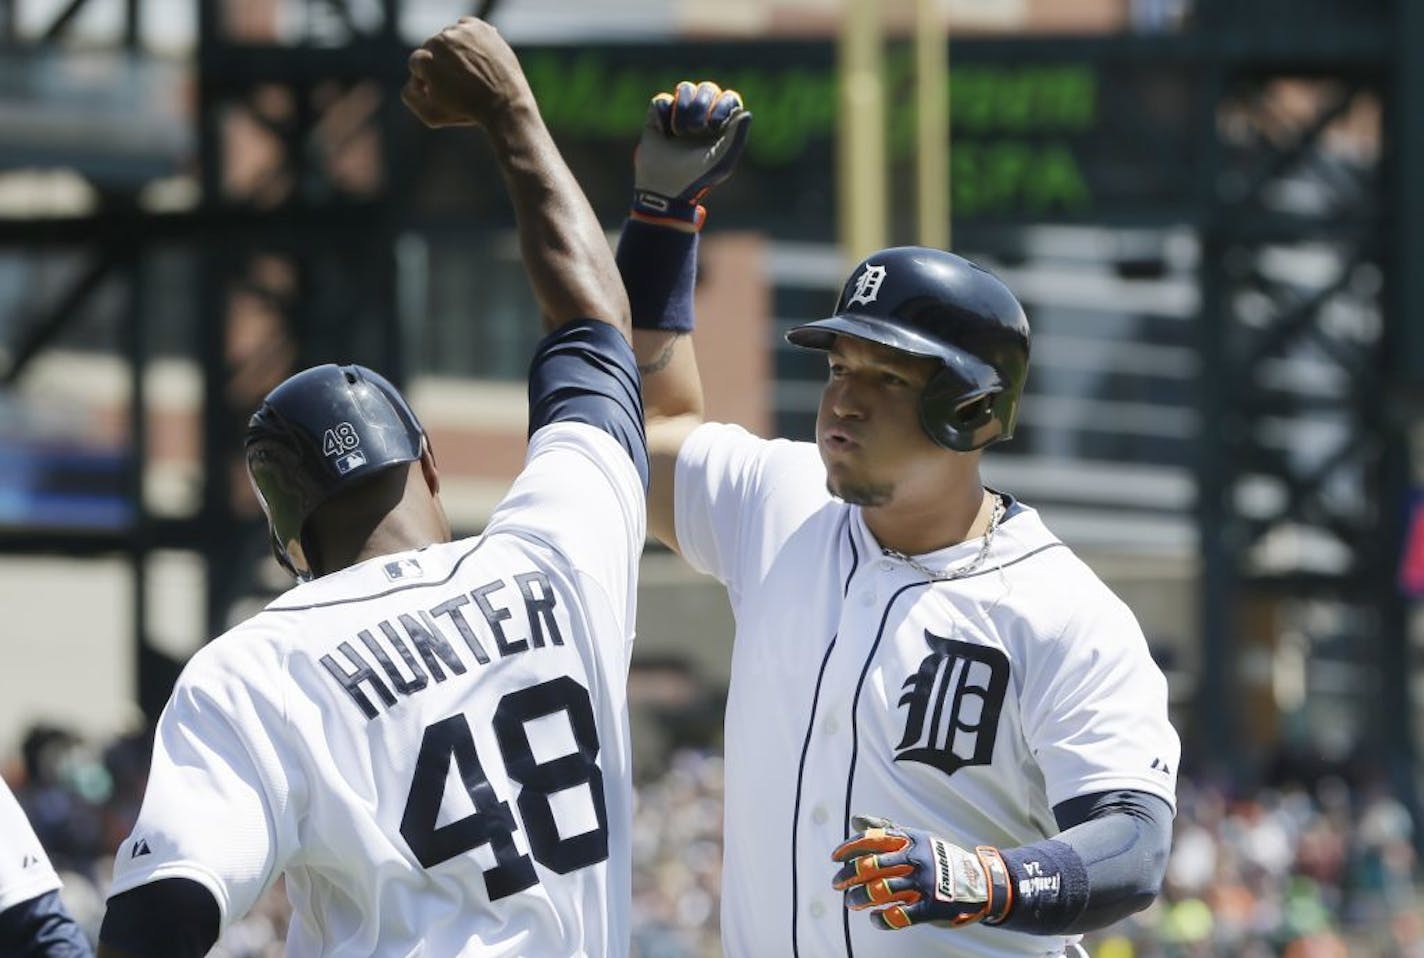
(912, 877)
(691, 141)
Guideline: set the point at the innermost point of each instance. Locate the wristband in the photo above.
(1050, 886)
(659, 269)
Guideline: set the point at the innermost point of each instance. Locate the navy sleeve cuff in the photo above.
(585, 372)
(169, 918)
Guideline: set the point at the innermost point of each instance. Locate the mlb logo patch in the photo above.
(350, 461)
(403, 569)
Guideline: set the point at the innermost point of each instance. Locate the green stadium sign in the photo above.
(1038, 133)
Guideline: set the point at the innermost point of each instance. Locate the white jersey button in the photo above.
(830, 726)
(867, 598)
(819, 815)
(886, 565)
(817, 909)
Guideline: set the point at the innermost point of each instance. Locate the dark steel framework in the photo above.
(1310, 361)
(1310, 269)
(300, 255)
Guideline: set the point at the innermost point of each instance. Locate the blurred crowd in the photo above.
(1325, 873)
(1328, 872)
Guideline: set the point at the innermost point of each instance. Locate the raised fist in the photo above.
(465, 75)
(692, 139)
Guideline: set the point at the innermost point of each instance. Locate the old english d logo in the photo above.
(954, 701)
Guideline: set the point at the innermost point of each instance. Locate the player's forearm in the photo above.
(658, 264)
(672, 404)
(1108, 864)
(672, 387)
(564, 248)
(658, 268)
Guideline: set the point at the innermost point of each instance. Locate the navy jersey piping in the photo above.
(855, 729)
(860, 684)
(380, 595)
(806, 746)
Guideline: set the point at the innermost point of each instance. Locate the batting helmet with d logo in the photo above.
(927, 302)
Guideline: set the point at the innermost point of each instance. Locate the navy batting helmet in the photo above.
(927, 302)
(321, 432)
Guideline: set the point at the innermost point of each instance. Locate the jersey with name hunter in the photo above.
(433, 745)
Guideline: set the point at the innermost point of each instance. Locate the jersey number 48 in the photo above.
(492, 823)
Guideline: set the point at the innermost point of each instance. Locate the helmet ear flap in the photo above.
(974, 413)
(954, 421)
(281, 556)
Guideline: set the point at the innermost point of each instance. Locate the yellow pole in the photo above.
(932, 123)
(861, 185)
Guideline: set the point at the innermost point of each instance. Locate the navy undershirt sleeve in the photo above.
(41, 927)
(1107, 863)
(585, 372)
(169, 918)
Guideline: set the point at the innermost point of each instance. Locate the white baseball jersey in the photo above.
(25, 870)
(968, 708)
(432, 745)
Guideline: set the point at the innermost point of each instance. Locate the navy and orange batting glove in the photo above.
(692, 139)
(911, 876)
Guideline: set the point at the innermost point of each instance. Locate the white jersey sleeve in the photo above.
(739, 497)
(215, 810)
(580, 495)
(1095, 708)
(25, 870)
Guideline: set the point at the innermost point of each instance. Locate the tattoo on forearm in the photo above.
(660, 361)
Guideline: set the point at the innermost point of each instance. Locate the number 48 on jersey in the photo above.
(492, 822)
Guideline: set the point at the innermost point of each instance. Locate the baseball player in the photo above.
(33, 921)
(428, 738)
(937, 713)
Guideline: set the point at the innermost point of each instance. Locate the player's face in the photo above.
(868, 427)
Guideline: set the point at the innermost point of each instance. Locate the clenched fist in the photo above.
(692, 139)
(911, 876)
(465, 75)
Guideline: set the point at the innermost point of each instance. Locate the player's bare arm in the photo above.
(468, 75)
(691, 141)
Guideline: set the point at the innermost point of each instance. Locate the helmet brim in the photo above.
(969, 376)
(822, 334)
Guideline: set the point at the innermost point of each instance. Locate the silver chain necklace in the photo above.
(949, 575)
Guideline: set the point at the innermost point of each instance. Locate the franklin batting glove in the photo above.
(691, 141)
(912, 877)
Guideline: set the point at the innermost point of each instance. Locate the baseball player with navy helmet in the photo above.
(428, 738)
(33, 921)
(937, 713)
